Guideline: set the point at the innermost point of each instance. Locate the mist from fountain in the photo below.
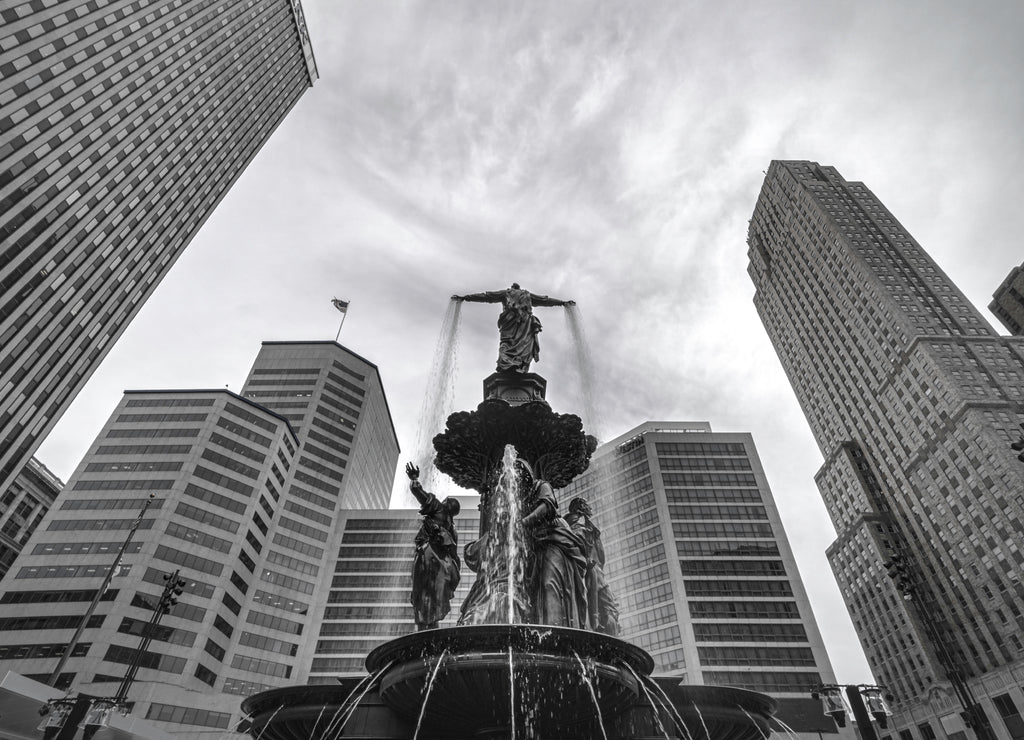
(588, 376)
(439, 397)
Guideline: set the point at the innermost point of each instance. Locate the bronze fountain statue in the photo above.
(535, 653)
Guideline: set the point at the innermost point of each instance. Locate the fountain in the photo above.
(530, 657)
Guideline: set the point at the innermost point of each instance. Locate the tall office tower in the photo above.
(241, 508)
(122, 125)
(696, 555)
(913, 400)
(700, 563)
(22, 507)
(1008, 301)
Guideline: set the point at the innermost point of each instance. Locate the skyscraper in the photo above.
(1008, 301)
(22, 506)
(913, 400)
(696, 555)
(246, 504)
(122, 125)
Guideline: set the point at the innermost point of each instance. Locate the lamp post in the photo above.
(52, 681)
(865, 702)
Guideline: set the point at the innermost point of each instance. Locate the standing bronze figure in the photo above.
(557, 562)
(517, 326)
(602, 607)
(436, 566)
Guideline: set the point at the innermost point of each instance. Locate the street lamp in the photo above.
(864, 702)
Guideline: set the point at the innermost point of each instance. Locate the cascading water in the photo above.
(505, 552)
(585, 365)
(439, 398)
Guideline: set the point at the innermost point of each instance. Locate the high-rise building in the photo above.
(696, 555)
(22, 507)
(246, 504)
(1008, 301)
(122, 125)
(913, 400)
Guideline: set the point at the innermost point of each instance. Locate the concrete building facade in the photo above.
(245, 504)
(122, 125)
(22, 506)
(1008, 301)
(913, 400)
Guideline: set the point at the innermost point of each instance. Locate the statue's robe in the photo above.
(558, 566)
(436, 566)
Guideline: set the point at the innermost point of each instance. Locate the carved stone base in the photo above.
(515, 388)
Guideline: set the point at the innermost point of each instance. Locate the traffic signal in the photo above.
(896, 567)
(1018, 446)
(172, 591)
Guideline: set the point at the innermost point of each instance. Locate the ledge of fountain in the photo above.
(462, 672)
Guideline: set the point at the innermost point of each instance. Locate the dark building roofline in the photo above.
(376, 370)
(231, 393)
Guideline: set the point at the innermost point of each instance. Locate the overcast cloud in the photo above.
(607, 152)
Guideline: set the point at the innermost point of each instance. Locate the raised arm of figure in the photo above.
(414, 483)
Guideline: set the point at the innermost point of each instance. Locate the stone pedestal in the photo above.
(514, 389)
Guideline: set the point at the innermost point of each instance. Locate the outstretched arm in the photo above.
(491, 296)
(543, 300)
(414, 483)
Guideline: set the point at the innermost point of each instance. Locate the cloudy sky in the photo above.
(607, 152)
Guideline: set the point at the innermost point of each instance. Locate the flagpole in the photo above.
(340, 325)
(343, 307)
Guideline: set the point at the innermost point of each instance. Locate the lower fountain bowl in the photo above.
(487, 679)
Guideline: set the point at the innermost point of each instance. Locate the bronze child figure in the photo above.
(436, 565)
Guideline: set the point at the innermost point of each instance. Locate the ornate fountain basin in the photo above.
(485, 680)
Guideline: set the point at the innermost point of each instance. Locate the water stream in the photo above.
(511, 696)
(584, 674)
(703, 724)
(426, 693)
(790, 732)
(439, 397)
(267, 723)
(677, 718)
(336, 725)
(753, 722)
(504, 557)
(650, 700)
(592, 421)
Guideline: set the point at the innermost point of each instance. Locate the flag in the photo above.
(340, 304)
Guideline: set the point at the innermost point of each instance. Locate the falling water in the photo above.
(702, 722)
(511, 696)
(785, 728)
(754, 722)
(318, 718)
(650, 700)
(671, 708)
(267, 723)
(585, 363)
(335, 725)
(439, 398)
(593, 696)
(426, 693)
(504, 557)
